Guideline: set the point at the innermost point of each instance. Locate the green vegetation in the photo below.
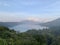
(30, 37)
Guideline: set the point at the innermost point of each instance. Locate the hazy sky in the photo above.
(36, 10)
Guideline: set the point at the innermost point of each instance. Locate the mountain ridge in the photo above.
(52, 23)
(9, 24)
(49, 24)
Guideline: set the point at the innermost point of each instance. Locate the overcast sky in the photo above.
(36, 10)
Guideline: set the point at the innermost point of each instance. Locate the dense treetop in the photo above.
(30, 37)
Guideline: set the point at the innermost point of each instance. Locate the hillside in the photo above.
(29, 22)
(31, 37)
(9, 24)
(52, 23)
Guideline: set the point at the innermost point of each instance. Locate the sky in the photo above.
(35, 10)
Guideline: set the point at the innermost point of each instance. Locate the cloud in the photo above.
(33, 19)
(36, 19)
(9, 17)
(19, 16)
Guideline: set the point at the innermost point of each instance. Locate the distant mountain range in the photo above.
(9, 24)
(53, 23)
(29, 22)
(49, 24)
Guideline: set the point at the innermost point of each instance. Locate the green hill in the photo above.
(31, 37)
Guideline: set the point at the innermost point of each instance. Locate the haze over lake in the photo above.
(25, 27)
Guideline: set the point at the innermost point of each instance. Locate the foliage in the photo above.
(31, 37)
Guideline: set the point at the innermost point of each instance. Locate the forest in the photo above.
(31, 37)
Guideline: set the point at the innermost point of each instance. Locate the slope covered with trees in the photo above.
(52, 23)
(30, 37)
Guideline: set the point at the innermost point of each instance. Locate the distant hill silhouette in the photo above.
(9, 24)
(53, 23)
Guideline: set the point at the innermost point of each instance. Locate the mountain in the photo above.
(29, 22)
(13, 24)
(53, 23)
(9, 24)
(54, 31)
(12, 37)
